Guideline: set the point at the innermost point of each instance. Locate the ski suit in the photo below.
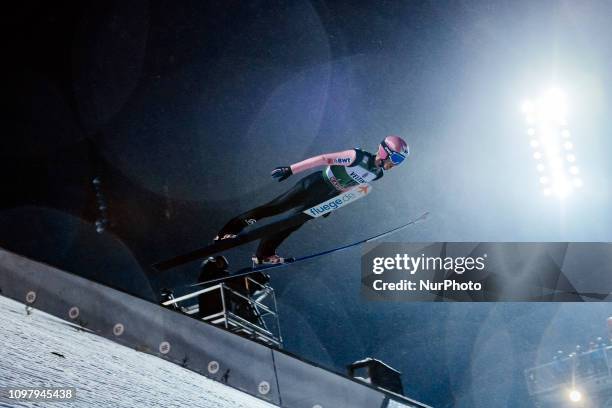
(343, 171)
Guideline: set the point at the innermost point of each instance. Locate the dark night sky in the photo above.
(181, 109)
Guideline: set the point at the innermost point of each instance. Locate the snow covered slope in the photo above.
(41, 350)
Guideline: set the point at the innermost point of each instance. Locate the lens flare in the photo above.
(575, 396)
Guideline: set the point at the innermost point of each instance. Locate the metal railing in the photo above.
(254, 316)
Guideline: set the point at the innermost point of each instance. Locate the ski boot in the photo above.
(228, 232)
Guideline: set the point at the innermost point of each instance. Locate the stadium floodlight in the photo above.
(561, 188)
(556, 163)
(575, 396)
(552, 106)
(549, 136)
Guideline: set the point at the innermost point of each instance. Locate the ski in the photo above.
(290, 261)
(226, 244)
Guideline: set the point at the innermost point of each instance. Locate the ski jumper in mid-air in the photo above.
(344, 170)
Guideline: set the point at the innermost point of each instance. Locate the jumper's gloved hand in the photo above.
(281, 173)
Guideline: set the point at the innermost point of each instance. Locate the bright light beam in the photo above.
(546, 118)
(575, 396)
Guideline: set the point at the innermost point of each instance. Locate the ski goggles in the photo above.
(395, 157)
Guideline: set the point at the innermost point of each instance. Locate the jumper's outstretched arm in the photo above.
(343, 158)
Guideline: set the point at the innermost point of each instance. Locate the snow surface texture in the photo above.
(104, 373)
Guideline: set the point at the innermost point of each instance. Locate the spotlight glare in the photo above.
(556, 163)
(552, 106)
(575, 396)
(558, 173)
(561, 188)
(550, 139)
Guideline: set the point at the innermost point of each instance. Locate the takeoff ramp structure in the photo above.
(238, 365)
